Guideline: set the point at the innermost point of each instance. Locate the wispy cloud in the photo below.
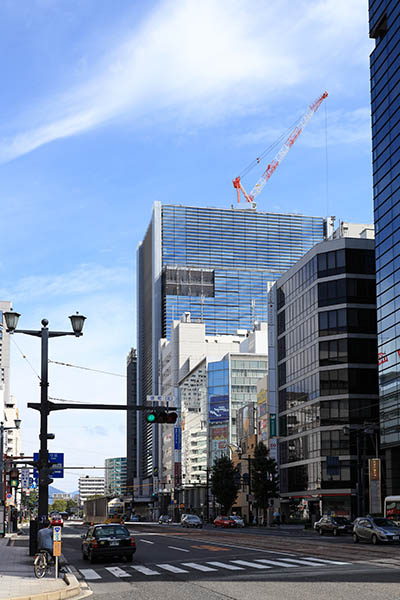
(342, 128)
(201, 62)
(85, 279)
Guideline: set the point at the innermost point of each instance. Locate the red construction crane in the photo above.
(273, 165)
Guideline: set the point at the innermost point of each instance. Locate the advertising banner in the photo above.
(219, 409)
(219, 441)
(25, 479)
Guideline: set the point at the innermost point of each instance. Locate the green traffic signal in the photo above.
(151, 417)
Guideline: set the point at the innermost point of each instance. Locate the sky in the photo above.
(109, 106)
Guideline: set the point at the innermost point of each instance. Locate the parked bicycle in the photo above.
(42, 563)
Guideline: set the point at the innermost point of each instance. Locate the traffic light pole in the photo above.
(43, 466)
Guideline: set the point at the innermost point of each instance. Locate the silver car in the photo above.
(192, 521)
(375, 530)
(239, 521)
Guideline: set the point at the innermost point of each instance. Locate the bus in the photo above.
(392, 508)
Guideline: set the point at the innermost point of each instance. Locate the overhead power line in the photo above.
(63, 364)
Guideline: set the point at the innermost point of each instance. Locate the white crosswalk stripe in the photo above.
(225, 566)
(118, 572)
(172, 568)
(247, 563)
(274, 563)
(90, 574)
(325, 560)
(307, 563)
(232, 565)
(145, 570)
(198, 567)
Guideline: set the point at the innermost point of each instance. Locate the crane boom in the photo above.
(273, 165)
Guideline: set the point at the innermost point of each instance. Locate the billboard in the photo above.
(219, 409)
(219, 441)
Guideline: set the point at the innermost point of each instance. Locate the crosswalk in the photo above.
(212, 567)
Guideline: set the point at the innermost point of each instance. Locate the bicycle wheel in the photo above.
(40, 565)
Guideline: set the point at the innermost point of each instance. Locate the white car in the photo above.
(239, 521)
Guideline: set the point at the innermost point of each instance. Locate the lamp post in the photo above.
(17, 423)
(77, 322)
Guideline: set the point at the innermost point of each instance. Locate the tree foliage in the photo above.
(224, 482)
(59, 506)
(264, 477)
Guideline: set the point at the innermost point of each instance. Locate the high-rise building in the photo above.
(115, 476)
(216, 264)
(90, 486)
(131, 419)
(323, 377)
(385, 102)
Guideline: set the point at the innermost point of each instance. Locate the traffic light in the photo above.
(154, 497)
(161, 416)
(14, 478)
(44, 476)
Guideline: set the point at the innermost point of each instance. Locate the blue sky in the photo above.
(109, 106)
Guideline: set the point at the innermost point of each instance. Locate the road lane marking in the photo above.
(308, 563)
(89, 574)
(118, 572)
(215, 563)
(211, 548)
(198, 567)
(172, 568)
(145, 570)
(275, 563)
(147, 542)
(246, 563)
(181, 549)
(329, 562)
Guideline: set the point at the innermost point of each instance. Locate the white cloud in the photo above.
(343, 128)
(201, 61)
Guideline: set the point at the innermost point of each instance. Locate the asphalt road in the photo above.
(208, 564)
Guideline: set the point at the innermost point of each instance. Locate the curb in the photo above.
(73, 589)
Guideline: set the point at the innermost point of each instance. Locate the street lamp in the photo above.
(77, 322)
(17, 423)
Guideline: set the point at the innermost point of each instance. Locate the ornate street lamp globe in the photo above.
(11, 319)
(77, 322)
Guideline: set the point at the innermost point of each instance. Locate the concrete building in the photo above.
(131, 419)
(189, 345)
(216, 264)
(12, 437)
(115, 476)
(323, 377)
(384, 27)
(90, 486)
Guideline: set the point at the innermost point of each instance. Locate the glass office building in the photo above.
(327, 378)
(216, 264)
(385, 103)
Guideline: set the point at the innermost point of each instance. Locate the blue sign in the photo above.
(219, 409)
(56, 459)
(177, 438)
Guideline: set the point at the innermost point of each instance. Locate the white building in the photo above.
(188, 352)
(90, 486)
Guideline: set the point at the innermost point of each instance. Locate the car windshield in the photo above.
(193, 518)
(384, 523)
(116, 531)
(341, 520)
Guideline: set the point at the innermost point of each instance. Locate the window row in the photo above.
(350, 350)
(347, 320)
(340, 291)
(349, 381)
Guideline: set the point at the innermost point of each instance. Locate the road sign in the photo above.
(56, 548)
(56, 459)
(161, 399)
(57, 533)
(24, 479)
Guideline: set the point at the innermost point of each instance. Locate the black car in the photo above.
(108, 540)
(334, 525)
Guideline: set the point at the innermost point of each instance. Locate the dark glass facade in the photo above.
(327, 374)
(385, 105)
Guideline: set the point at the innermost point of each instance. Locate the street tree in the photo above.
(59, 506)
(225, 483)
(264, 477)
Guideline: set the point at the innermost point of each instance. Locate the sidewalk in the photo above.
(18, 581)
